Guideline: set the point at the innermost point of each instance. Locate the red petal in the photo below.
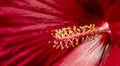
(23, 37)
(113, 18)
(23, 23)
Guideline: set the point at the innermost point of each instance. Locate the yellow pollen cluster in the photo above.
(71, 36)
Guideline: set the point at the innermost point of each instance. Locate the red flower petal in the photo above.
(23, 33)
(112, 11)
(24, 25)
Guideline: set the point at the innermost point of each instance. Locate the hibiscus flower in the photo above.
(59, 33)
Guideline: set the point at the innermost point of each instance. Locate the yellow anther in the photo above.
(57, 46)
(68, 28)
(91, 27)
(78, 34)
(63, 35)
(74, 28)
(57, 35)
(57, 31)
(64, 29)
(55, 42)
(54, 46)
(77, 41)
(80, 27)
(72, 45)
(71, 42)
(66, 44)
(78, 30)
(70, 31)
(83, 31)
(61, 45)
(85, 26)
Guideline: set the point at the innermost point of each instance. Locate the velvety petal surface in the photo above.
(25, 27)
(25, 31)
(113, 18)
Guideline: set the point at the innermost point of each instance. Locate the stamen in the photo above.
(72, 36)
